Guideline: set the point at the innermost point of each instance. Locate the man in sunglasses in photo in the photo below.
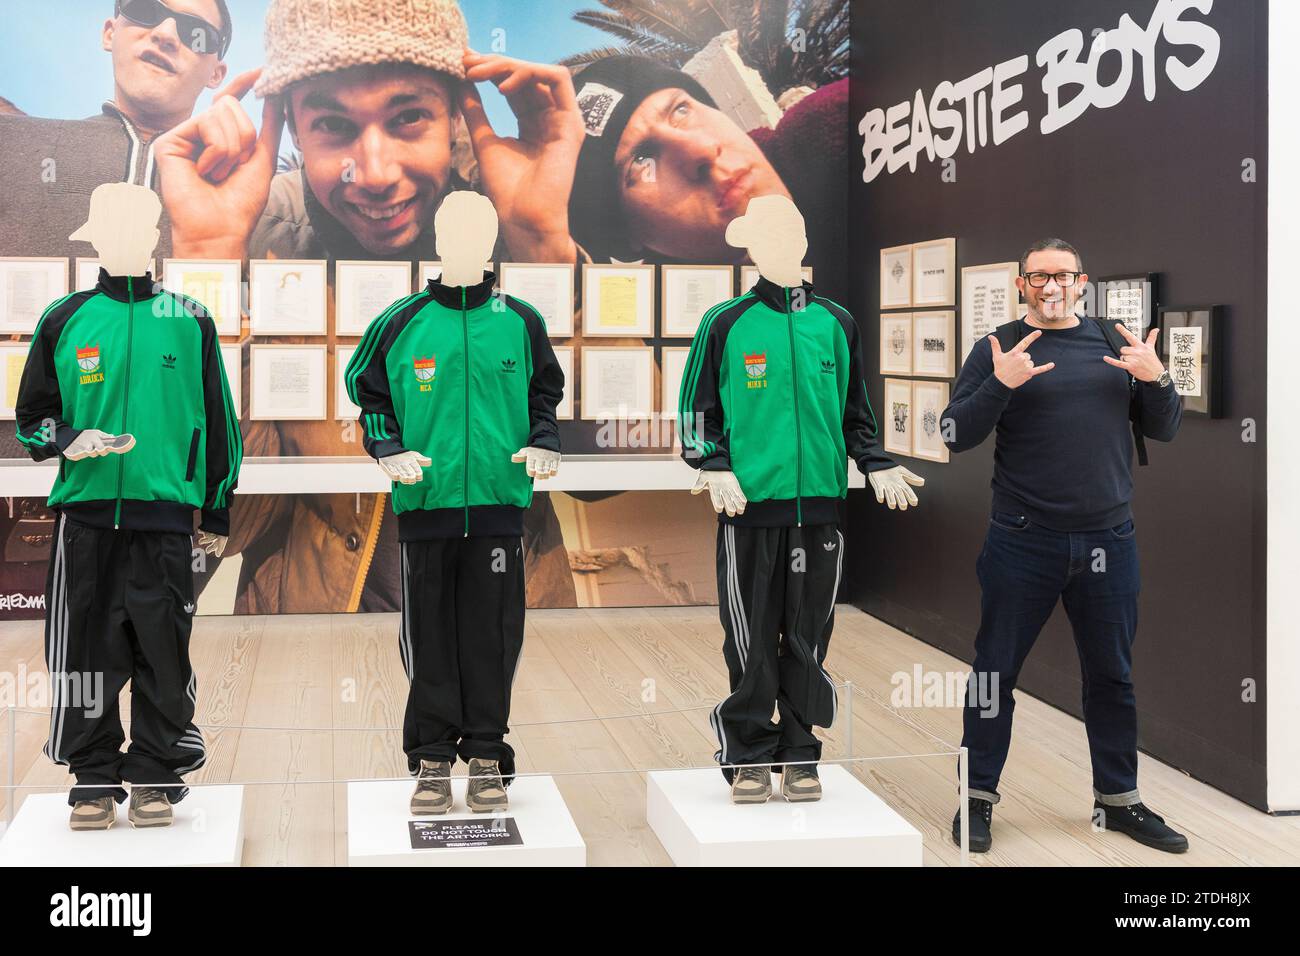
(164, 56)
(1069, 398)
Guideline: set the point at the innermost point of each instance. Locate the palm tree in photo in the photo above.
(789, 42)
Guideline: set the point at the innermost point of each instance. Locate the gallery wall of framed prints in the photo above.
(687, 292)
(749, 276)
(547, 287)
(617, 382)
(989, 298)
(286, 382)
(287, 297)
(618, 300)
(364, 289)
(921, 342)
(1192, 349)
(27, 285)
(214, 282)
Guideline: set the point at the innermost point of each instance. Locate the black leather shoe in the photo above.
(981, 823)
(1139, 822)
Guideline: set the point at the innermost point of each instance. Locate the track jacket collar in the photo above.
(774, 295)
(116, 287)
(475, 295)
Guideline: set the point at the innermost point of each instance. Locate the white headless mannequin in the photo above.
(465, 234)
(772, 232)
(123, 228)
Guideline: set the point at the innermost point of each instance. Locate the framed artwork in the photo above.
(929, 399)
(1131, 299)
(617, 300)
(989, 298)
(896, 277)
(363, 290)
(617, 383)
(564, 355)
(85, 272)
(287, 382)
(28, 286)
(896, 343)
(548, 288)
(934, 273)
(232, 357)
(430, 269)
(898, 416)
(344, 410)
(934, 344)
(749, 276)
(213, 282)
(13, 357)
(286, 296)
(672, 366)
(687, 292)
(1192, 347)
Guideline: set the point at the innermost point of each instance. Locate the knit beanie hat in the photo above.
(306, 38)
(609, 91)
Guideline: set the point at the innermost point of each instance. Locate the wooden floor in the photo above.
(319, 685)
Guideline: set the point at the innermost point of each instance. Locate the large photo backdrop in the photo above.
(301, 152)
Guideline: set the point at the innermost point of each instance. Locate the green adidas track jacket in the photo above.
(466, 378)
(774, 392)
(126, 357)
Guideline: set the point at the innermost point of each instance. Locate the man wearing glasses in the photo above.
(1066, 404)
(164, 55)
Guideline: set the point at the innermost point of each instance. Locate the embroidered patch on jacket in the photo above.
(425, 369)
(88, 362)
(756, 370)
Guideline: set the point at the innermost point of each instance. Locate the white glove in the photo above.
(892, 484)
(724, 489)
(405, 467)
(213, 544)
(541, 462)
(92, 443)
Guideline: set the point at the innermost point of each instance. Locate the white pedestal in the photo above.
(692, 815)
(378, 835)
(208, 830)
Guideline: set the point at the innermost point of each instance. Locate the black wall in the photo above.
(1140, 187)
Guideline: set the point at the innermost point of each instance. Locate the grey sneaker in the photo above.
(93, 814)
(799, 783)
(149, 808)
(432, 789)
(751, 784)
(487, 791)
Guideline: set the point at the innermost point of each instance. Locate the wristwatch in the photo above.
(1164, 380)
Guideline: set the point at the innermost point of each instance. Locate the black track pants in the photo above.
(776, 597)
(461, 634)
(119, 607)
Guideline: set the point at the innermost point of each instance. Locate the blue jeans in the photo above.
(1023, 571)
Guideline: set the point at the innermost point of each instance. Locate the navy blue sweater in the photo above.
(1064, 452)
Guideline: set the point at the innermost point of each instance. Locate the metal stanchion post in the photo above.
(963, 775)
(848, 717)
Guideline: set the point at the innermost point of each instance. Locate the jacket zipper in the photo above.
(464, 324)
(126, 396)
(798, 436)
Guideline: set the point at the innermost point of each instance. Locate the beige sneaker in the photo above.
(93, 814)
(800, 784)
(487, 791)
(432, 789)
(149, 808)
(751, 784)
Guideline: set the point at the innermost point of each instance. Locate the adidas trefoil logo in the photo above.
(507, 365)
(829, 545)
(169, 361)
(828, 366)
(189, 607)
